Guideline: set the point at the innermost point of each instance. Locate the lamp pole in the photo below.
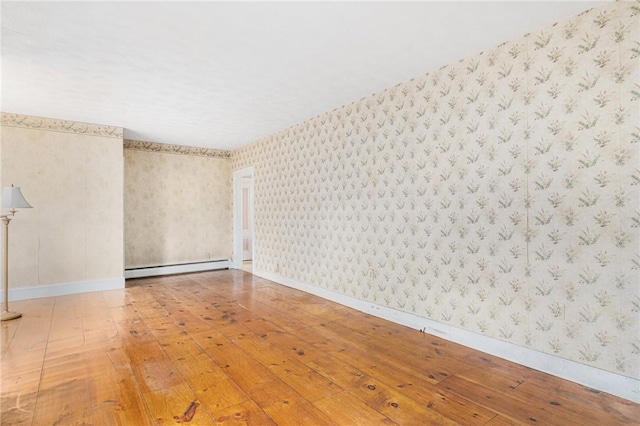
(6, 315)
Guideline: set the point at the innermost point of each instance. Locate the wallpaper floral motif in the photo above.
(40, 123)
(177, 207)
(499, 194)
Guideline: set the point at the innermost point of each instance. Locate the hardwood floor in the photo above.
(229, 348)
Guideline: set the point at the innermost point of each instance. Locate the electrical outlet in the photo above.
(207, 256)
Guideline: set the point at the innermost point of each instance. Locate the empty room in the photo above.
(320, 213)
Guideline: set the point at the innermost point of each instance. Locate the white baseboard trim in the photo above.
(155, 271)
(605, 381)
(65, 288)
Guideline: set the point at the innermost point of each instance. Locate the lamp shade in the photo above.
(12, 198)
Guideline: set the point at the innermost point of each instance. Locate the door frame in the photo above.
(236, 261)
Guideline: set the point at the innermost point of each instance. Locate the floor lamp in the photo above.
(12, 199)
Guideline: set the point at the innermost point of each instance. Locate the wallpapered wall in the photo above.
(177, 204)
(72, 174)
(499, 194)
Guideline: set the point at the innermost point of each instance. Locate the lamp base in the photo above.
(6, 315)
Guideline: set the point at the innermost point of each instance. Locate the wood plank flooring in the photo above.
(228, 348)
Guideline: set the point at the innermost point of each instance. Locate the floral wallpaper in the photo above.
(177, 203)
(499, 194)
(71, 173)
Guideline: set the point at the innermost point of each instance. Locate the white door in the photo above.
(247, 220)
(242, 178)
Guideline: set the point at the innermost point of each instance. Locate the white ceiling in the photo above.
(222, 75)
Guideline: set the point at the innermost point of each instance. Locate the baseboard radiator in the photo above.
(153, 271)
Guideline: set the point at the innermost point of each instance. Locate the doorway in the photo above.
(243, 220)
